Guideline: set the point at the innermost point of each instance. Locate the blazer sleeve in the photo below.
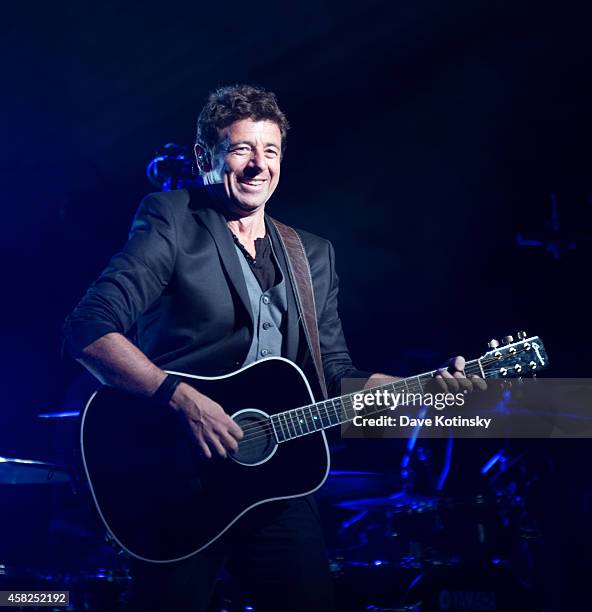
(337, 363)
(134, 278)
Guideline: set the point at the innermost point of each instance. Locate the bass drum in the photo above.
(468, 589)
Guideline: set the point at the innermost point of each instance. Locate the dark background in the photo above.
(425, 136)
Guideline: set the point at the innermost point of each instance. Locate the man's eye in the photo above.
(241, 150)
(271, 153)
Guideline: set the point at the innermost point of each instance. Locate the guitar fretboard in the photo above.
(302, 421)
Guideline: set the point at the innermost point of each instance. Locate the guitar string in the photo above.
(427, 375)
(471, 368)
(261, 430)
(306, 426)
(333, 410)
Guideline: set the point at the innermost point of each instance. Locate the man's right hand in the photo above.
(212, 427)
(117, 362)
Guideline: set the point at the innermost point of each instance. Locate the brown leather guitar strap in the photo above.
(299, 271)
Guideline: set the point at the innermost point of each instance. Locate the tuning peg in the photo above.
(521, 335)
(493, 343)
(507, 339)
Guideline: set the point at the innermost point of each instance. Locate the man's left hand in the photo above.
(451, 378)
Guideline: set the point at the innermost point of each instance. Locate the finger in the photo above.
(235, 430)
(438, 380)
(228, 441)
(457, 363)
(202, 443)
(213, 441)
(478, 382)
(206, 451)
(449, 380)
(230, 425)
(464, 383)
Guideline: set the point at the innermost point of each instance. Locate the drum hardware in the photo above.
(426, 544)
(172, 167)
(343, 484)
(27, 471)
(94, 577)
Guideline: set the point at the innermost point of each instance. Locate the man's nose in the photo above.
(257, 159)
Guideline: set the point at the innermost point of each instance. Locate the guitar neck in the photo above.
(306, 420)
(515, 359)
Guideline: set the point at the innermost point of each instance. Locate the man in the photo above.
(192, 278)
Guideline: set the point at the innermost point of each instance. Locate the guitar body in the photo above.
(160, 498)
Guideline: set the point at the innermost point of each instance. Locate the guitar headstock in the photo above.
(525, 357)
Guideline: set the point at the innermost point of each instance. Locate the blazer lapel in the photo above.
(216, 225)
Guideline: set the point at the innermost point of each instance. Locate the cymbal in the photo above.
(397, 502)
(67, 414)
(28, 471)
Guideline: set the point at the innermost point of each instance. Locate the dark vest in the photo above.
(268, 309)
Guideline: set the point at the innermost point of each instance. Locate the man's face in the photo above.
(246, 161)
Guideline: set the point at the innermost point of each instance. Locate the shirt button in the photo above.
(266, 325)
(264, 352)
(265, 299)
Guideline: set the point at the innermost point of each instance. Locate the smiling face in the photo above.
(246, 161)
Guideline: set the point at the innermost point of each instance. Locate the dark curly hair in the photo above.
(233, 103)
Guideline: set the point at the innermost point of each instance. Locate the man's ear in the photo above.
(202, 158)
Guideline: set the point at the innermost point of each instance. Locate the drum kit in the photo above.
(396, 542)
(405, 551)
(50, 540)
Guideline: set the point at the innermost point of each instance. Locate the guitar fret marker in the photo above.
(298, 422)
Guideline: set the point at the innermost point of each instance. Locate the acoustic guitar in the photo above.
(163, 501)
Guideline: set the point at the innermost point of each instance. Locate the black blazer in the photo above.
(178, 287)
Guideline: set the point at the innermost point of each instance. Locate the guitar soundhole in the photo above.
(258, 443)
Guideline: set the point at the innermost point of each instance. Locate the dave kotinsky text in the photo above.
(375, 410)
